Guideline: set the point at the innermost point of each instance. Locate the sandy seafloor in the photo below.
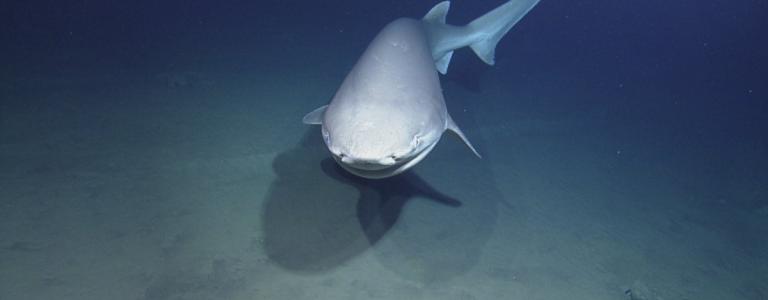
(200, 182)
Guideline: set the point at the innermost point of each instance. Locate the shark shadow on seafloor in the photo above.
(381, 200)
(312, 221)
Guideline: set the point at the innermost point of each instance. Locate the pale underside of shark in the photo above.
(389, 112)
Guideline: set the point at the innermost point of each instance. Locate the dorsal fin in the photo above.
(438, 13)
(442, 63)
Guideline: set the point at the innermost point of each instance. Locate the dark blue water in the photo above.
(154, 150)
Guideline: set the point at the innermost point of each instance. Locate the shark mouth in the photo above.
(387, 171)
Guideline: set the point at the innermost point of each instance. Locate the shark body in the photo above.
(389, 112)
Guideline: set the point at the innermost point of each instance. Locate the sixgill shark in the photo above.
(389, 112)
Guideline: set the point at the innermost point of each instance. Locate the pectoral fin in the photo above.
(455, 128)
(315, 117)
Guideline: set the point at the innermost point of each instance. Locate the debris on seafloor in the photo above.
(640, 291)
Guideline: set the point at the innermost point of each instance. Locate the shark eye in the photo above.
(416, 140)
(395, 157)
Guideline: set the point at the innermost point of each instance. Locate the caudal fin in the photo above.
(495, 24)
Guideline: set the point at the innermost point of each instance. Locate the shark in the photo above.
(389, 111)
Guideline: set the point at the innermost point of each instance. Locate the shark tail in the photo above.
(481, 35)
(492, 26)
